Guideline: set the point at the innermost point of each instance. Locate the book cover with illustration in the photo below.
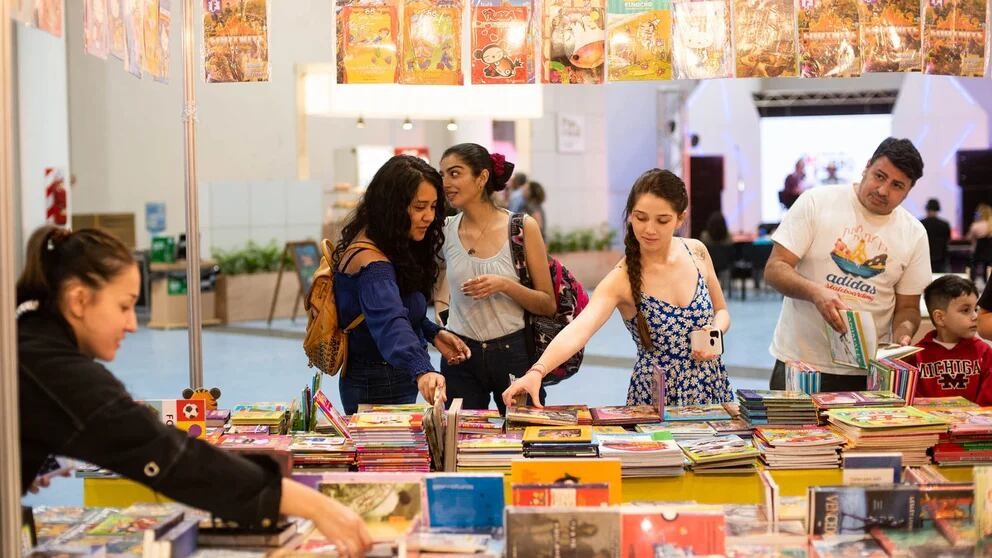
(189, 415)
(151, 50)
(954, 37)
(576, 471)
(884, 417)
(639, 36)
(560, 532)
(844, 510)
(701, 45)
(718, 448)
(464, 502)
(860, 545)
(561, 495)
(829, 43)
(236, 41)
(548, 417)
(133, 36)
(830, 400)
(115, 28)
(856, 346)
(389, 504)
(431, 52)
(651, 531)
(48, 16)
(890, 36)
(502, 45)
(96, 39)
(955, 402)
(765, 38)
(576, 434)
(799, 437)
(573, 47)
(623, 414)
(367, 42)
(713, 411)
(324, 406)
(983, 500)
(164, 40)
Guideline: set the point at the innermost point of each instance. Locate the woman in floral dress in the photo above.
(665, 288)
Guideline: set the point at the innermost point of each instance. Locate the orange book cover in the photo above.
(578, 471)
(431, 52)
(502, 49)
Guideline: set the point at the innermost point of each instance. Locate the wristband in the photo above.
(542, 371)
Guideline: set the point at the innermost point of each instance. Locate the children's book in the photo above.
(502, 45)
(890, 35)
(115, 28)
(710, 412)
(640, 40)
(718, 448)
(983, 500)
(573, 434)
(765, 38)
(561, 494)
(573, 48)
(701, 39)
(133, 36)
(954, 37)
(580, 471)
(691, 530)
(633, 414)
(554, 532)
(464, 502)
(389, 503)
(829, 46)
(956, 402)
(533, 415)
(885, 417)
(95, 28)
(367, 41)
(236, 41)
(432, 43)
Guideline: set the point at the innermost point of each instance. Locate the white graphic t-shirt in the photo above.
(864, 257)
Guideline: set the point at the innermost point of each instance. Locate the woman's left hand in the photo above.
(451, 347)
(484, 286)
(430, 383)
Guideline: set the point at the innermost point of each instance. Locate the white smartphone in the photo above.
(707, 341)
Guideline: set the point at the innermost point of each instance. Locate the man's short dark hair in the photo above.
(933, 204)
(944, 289)
(903, 154)
(518, 179)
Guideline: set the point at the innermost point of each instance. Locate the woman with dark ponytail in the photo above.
(665, 288)
(487, 300)
(76, 300)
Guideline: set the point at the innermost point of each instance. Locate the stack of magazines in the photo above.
(810, 447)
(898, 429)
(776, 407)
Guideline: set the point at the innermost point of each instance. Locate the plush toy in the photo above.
(209, 397)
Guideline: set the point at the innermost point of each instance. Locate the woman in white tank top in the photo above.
(487, 302)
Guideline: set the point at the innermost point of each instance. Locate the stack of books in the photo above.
(680, 431)
(520, 417)
(582, 413)
(327, 419)
(927, 403)
(217, 418)
(480, 421)
(800, 376)
(559, 441)
(275, 446)
(811, 447)
(391, 439)
(325, 453)
(737, 427)
(643, 455)
(714, 411)
(895, 375)
(488, 452)
(968, 440)
(273, 417)
(624, 415)
(889, 429)
(841, 399)
(721, 455)
(776, 407)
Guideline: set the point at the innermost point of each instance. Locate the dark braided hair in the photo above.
(669, 187)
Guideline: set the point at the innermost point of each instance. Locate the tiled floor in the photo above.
(252, 362)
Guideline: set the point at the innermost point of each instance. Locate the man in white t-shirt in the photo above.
(844, 246)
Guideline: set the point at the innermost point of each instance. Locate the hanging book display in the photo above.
(639, 34)
(954, 38)
(432, 42)
(149, 30)
(502, 50)
(48, 16)
(164, 34)
(22, 11)
(828, 38)
(95, 29)
(890, 35)
(701, 46)
(765, 38)
(133, 38)
(115, 28)
(574, 41)
(236, 41)
(367, 37)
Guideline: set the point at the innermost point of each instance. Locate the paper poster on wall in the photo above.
(133, 36)
(432, 43)
(149, 35)
(701, 46)
(164, 36)
(573, 46)
(502, 49)
(95, 28)
(828, 38)
(954, 38)
(571, 133)
(115, 28)
(367, 42)
(639, 35)
(890, 36)
(155, 217)
(235, 41)
(48, 16)
(765, 38)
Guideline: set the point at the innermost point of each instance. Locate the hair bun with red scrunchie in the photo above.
(502, 169)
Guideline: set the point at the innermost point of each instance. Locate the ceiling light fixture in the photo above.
(407, 125)
(452, 125)
(361, 123)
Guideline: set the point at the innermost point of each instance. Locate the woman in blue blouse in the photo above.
(385, 265)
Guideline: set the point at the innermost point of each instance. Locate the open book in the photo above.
(859, 345)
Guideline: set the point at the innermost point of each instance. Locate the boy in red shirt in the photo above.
(954, 360)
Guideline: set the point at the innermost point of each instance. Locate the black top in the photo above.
(73, 406)
(938, 234)
(986, 299)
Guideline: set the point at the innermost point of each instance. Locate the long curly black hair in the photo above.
(669, 187)
(382, 214)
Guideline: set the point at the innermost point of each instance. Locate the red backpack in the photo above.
(570, 298)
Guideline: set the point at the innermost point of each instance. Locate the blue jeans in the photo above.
(487, 373)
(375, 382)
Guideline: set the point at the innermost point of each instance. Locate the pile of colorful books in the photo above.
(479, 421)
(559, 441)
(390, 438)
(895, 375)
(643, 455)
(800, 376)
(968, 440)
(841, 399)
(260, 418)
(520, 417)
(810, 447)
(776, 407)
(488, 452)
(317, 452)
(897, 429)
(721, 455)
(713, 411)
(623, 415)
(681, 431)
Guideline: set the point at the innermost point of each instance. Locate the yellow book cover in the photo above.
(639, 36)
(432, 43)
(367, 42)
(551, 434)
(578, 471)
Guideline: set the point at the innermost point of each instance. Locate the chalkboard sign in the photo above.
(306, 258)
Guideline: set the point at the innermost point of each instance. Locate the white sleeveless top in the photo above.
(492, 317)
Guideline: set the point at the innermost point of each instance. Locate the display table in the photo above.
(168, 309)
(705, 489)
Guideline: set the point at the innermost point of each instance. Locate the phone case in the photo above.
(709, 341)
